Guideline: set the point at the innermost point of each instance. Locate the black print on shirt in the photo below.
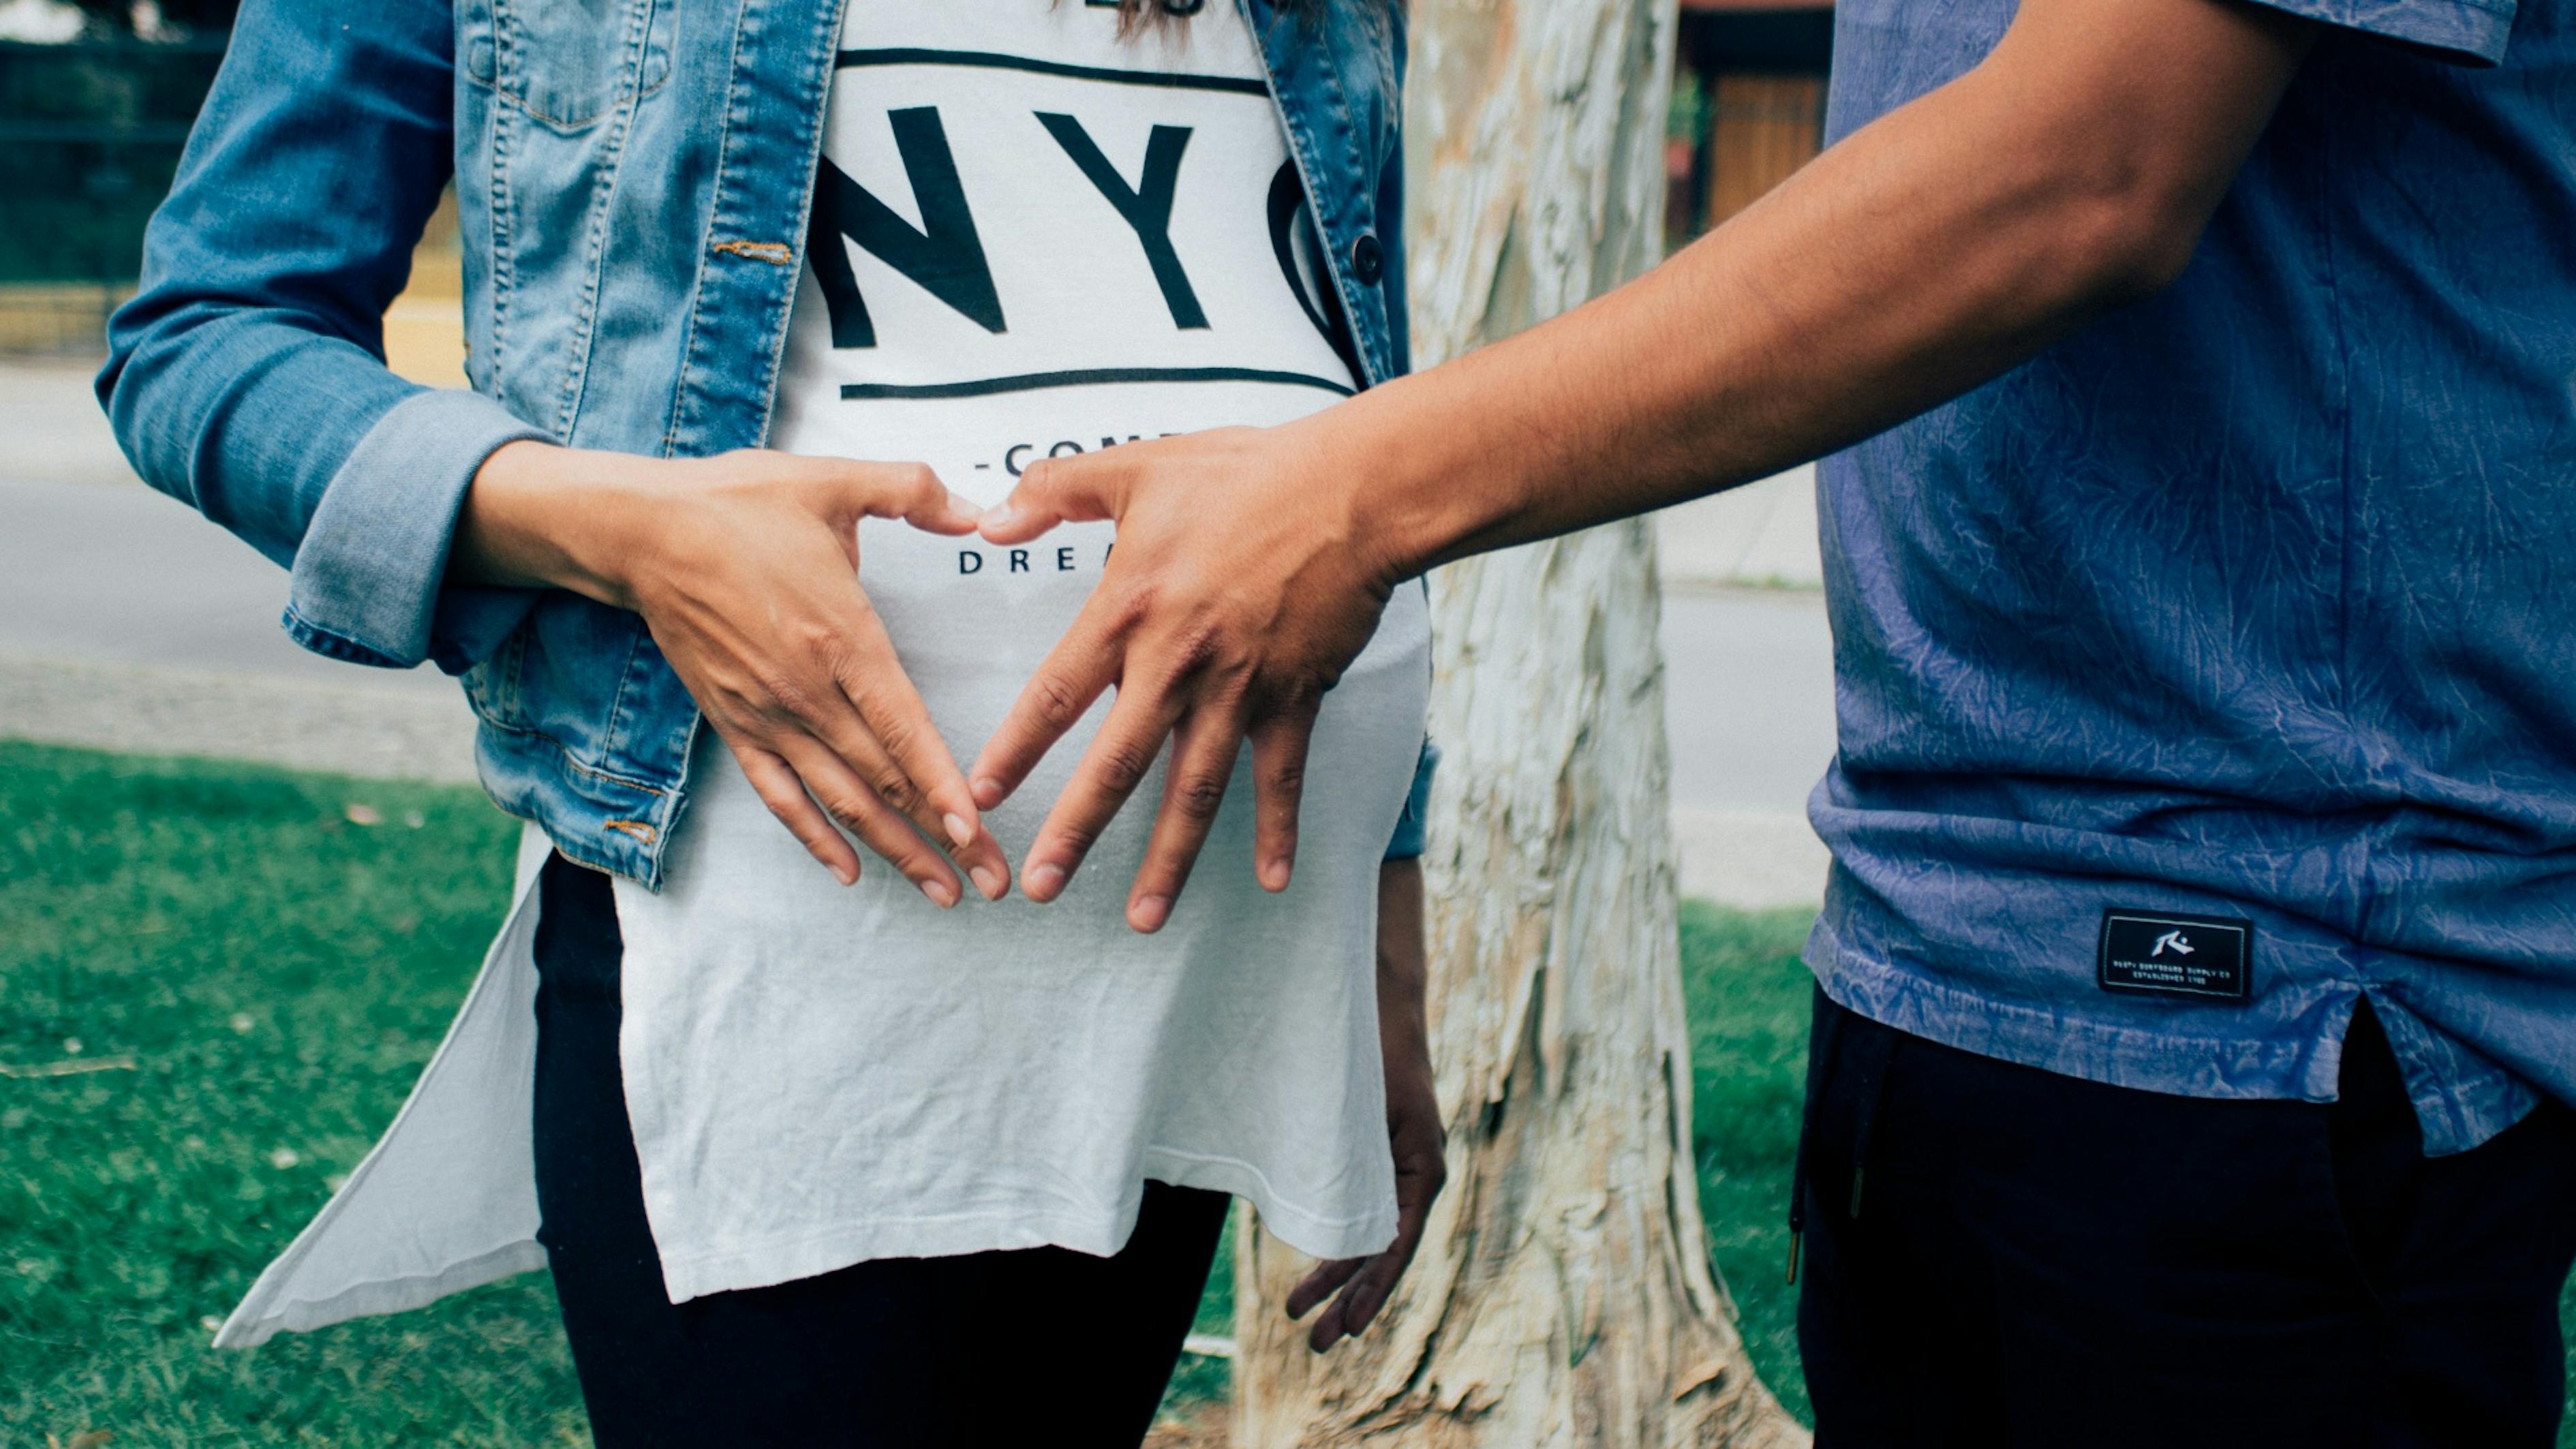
(946, 256)
(1146, 207)
(971, 561)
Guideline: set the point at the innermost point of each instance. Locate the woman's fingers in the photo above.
(888, 737)
(779, 789)
(1364, 1283)
(1368, 1293)
(913, 493)
(878, 776)
(849, 800)
(1318, 1285)
(1360, 1287)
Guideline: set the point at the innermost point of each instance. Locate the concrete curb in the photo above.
(380, 733)
(1752, 860)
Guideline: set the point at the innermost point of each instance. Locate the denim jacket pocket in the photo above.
(566, 63)
(495, 688)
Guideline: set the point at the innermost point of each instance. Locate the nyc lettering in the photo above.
(945, 255)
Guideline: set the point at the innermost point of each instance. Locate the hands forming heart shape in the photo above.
(1212, 633)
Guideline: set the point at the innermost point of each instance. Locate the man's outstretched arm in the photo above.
(2071, 171)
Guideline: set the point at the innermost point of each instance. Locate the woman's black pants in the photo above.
(1039, 1346)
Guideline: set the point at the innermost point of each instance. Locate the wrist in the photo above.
(543, 516)
(1392, 462)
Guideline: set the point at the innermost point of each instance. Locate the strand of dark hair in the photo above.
(1134, 15)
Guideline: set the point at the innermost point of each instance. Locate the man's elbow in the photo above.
(2131, 238)
(2146, 256)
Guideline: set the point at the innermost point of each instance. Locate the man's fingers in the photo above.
(1120, 758)
(1204, 747)
(848, 800)
(1318, 1285)
(1081, 489)
(1081, 665)
(779, 789)
(1278, 784)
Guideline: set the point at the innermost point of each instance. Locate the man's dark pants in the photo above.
(1996, 1255)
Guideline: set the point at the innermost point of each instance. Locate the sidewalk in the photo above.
(402, 734)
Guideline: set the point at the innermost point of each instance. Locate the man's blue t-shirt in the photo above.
(2217, 668)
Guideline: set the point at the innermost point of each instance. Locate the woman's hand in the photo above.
(744, 568)
(1413, 1125)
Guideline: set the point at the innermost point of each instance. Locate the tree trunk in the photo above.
(1563, 1295)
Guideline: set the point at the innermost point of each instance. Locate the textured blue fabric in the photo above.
(2256, 600)
(1408, 843)
(632, 179)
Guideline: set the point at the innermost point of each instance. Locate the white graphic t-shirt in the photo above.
(1031, 239)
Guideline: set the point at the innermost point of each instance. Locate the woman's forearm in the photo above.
(1403, 967)
(542, 516)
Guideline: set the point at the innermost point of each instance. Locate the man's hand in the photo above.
(743, 567)
(2071, 171)
(1209, 633)
(1413, 1124)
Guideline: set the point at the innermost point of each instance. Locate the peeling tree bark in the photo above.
(1564, 1294)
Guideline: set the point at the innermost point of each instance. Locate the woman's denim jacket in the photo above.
(632, 179)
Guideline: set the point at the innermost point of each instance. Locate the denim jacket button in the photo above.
(1368, 259)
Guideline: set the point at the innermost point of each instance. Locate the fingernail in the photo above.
(988, 793)
(940, 892)
(1274, 875)
(987, 880)
(1045, 880)
(844, 874)
(959, 829)
(999, 517)
(1149, 913)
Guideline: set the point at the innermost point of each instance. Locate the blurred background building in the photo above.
(94, 106)
(1748, 106)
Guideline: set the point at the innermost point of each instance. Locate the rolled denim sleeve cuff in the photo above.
(366, 583)
(1408, 843)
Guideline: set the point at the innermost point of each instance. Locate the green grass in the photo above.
(278, 975)
(1748, 1001)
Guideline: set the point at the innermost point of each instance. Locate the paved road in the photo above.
(51, 429)
(127, 621)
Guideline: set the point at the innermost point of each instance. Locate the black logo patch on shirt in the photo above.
(2168, 955)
